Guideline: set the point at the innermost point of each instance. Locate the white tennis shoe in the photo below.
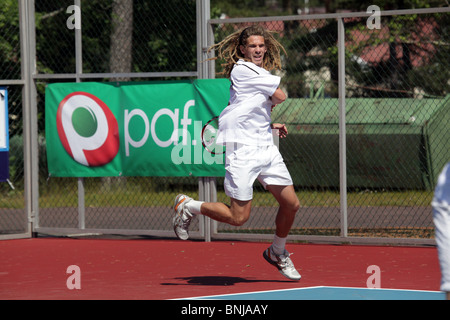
(283, 263)
(183, 217)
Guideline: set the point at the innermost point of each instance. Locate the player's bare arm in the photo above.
(278, 97)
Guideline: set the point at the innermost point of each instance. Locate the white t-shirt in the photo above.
(246, 119)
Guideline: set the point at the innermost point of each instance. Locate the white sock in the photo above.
(278, 245)
(194, 206)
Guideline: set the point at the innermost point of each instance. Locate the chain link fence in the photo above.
(121, 41)
(163, 47)
(397, 108)
(13, 218)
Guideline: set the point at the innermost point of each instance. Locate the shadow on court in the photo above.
(219, 281)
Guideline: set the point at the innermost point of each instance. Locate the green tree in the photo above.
(414, 37)
(9, 40)
(121, 36)
(312, 49)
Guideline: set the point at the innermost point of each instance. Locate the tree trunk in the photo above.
(120, 60)
(121, 37)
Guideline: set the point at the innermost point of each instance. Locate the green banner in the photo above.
(132, 129)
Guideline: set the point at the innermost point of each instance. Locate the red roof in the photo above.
(421, 42)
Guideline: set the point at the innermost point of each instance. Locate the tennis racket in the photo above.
(209, 135)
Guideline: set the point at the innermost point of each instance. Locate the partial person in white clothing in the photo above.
(245, 129)
(441, 218)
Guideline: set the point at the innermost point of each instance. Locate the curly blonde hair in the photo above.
(228, 49)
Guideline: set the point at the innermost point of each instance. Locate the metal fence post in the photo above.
(203, 15)
(342, 131)
(30, 131)
(79, 71)
(78, 47)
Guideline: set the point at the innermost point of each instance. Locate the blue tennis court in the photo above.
(332, 293)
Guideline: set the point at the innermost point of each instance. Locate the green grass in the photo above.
(138, 195)
(358, 199)
(418, 233)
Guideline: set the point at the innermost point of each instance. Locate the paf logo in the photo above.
(87, 129)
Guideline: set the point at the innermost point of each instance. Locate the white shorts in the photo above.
(244, 164)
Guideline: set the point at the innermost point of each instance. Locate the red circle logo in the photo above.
(87, 129)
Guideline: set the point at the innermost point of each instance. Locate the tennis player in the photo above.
(441, 218)
(245, 129)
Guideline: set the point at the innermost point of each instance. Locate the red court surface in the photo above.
(172, 269)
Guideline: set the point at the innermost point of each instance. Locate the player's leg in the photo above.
(238, 184)
(187, 208)
(241, 171)
(276, 178)
(276, 254)
(289, 205)
(236, 214)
